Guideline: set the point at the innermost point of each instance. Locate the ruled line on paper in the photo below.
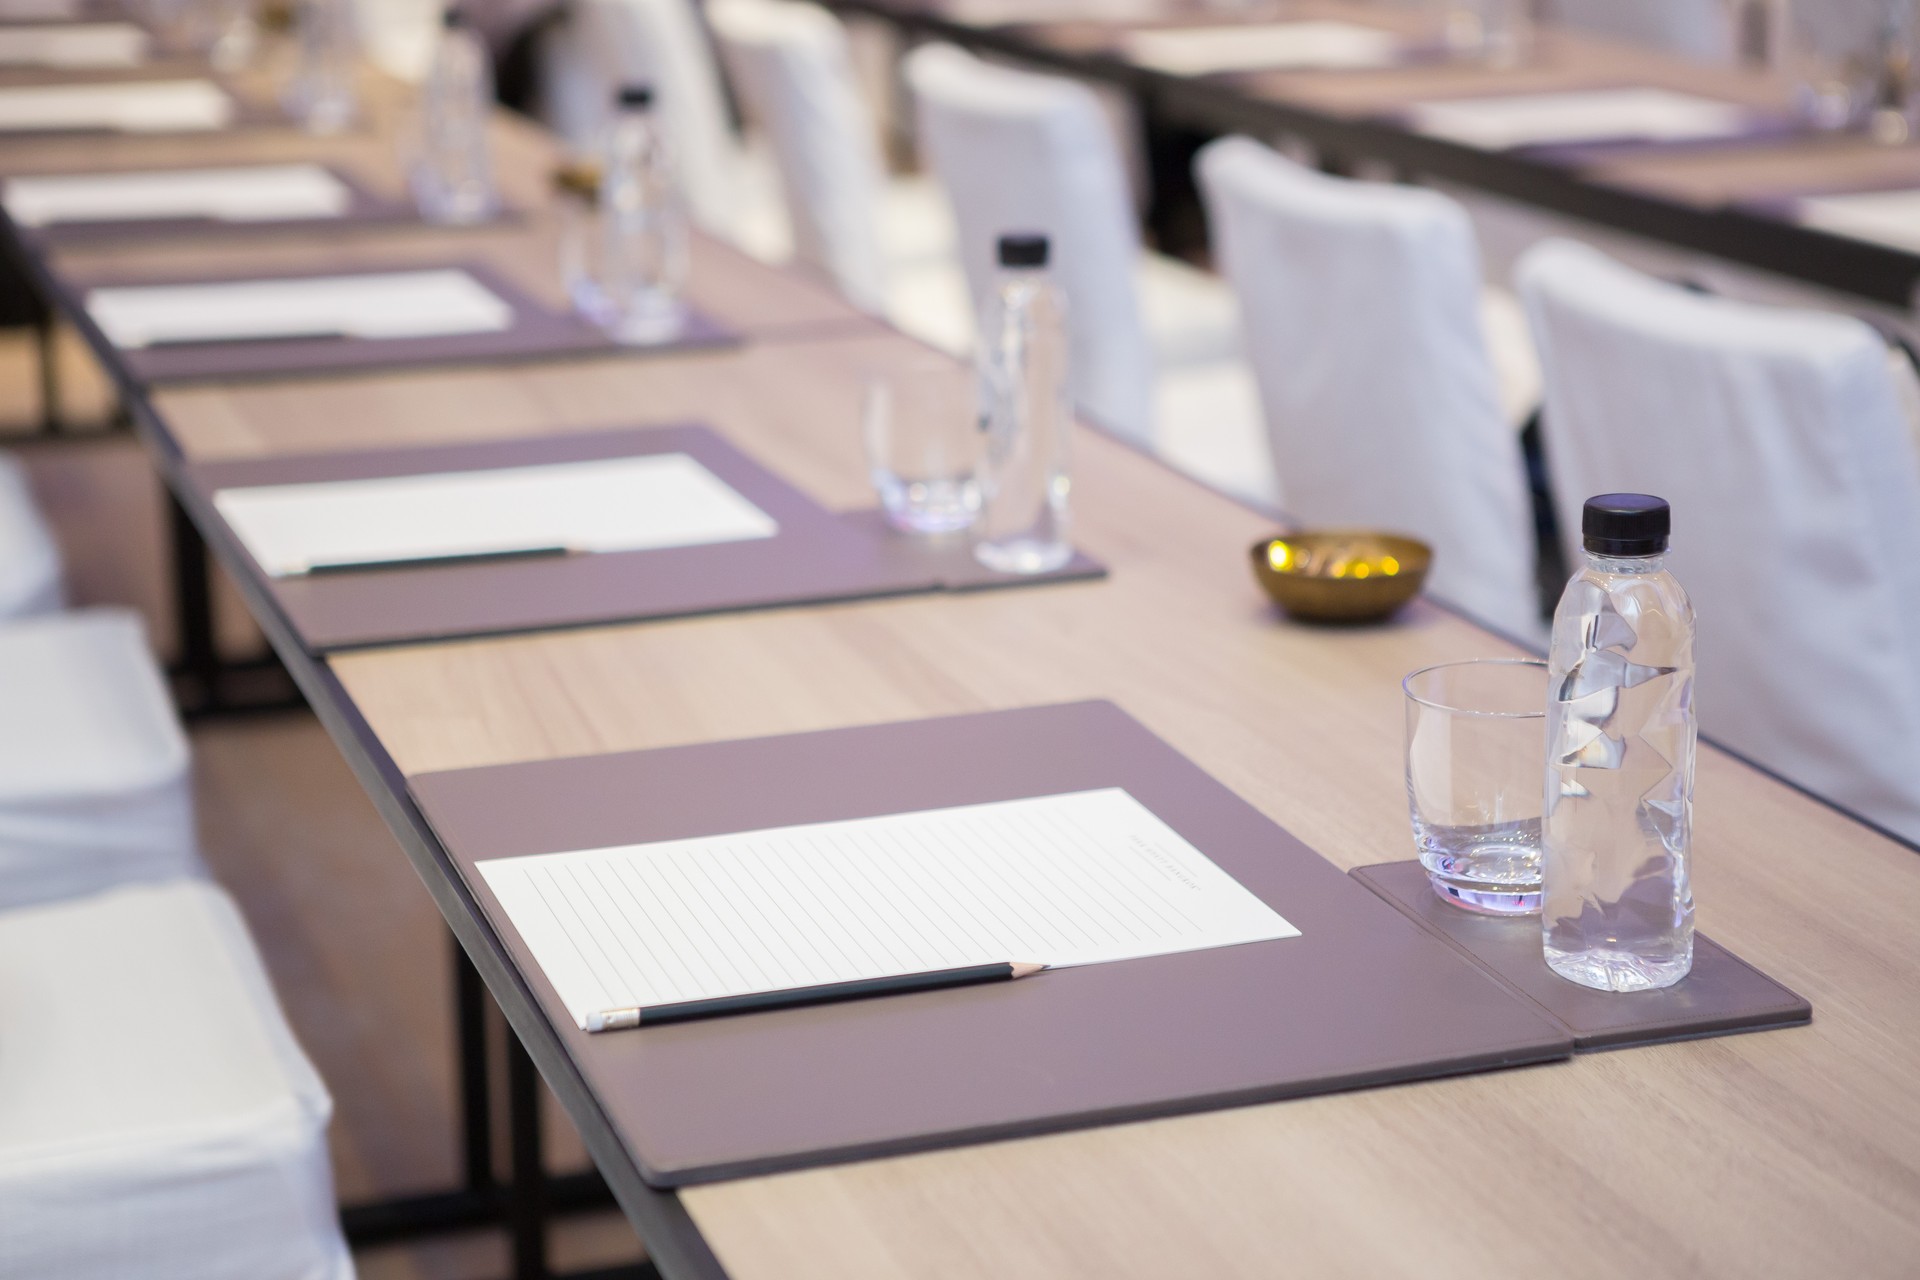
(1080, 878)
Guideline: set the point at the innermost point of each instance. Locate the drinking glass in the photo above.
(1476, 769)
(1499, 32)
(1851, 63)
(921, 424)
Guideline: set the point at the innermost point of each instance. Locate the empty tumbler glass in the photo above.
(921, 425)
(1476, 749)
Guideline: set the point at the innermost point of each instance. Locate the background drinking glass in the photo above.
(1851, 63)
(1495, 31)
(1476, 764)
(922, 431)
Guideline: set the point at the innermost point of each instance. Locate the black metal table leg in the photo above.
(47, 354)
(527, 1197)
(476, 1099)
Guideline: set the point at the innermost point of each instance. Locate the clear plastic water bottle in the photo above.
(1027, 415)
(453, 180)
(1616, 898)
(642, 262)
(322, 95)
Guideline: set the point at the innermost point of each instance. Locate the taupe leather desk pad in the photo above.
(365, 210)
(1363, 997)
(1723, 994)
(816, 557)
(538, 332)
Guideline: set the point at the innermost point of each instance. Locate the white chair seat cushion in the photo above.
(1207, 423)
(1190, 314)
(157, 1118)
(94, 785)
(29, 560)
(1516, 365)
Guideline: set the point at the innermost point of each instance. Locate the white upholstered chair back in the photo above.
(1360, 303)
(1699, 29)
(603, 44)
(1779, 438)
(1021, 152)
(794, 73)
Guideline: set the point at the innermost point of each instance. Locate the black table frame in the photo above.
(1872, 272)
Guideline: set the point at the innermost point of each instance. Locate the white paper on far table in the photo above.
(613, 504)
(1276, 46)
(386, 304)
(158, 106)
(1888, 217)
(75, 45)
(1592, 115)
(254, 193)
(1082, 878)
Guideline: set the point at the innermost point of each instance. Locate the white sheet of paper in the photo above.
(387, 304)
(1593, 115)
(87, 44)
(1082, 878)
(1276, 46)
(256, 193)
(159, 106)
(616, 504)
(1888, 217)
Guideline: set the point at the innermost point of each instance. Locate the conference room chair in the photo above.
(157, 1118)
(398, 36)
(887, 243)
(597, 46)
(30, 577)
(1155, 342)
(1362, 308)
(1780, 439)
(94, 785)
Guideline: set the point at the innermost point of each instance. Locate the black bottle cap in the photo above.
(453, 17)
(637, 96)
(1023, 249)
(1626, 524)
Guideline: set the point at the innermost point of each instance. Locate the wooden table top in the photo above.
(1795, 1151)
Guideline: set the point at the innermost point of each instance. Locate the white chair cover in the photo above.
(603, 44)
(157, 1118)
(1779, 438)
(1699, 29)
(94, 787)
(1361, 307)
(793, 70)
(1019, 152)
(29, 560)
(399, 35)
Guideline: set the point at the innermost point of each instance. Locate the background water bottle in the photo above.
(453, 181)
(1027, 415)
(643, 226)
(1617, 904)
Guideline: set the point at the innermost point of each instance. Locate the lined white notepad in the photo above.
(256, 193)
(1594, 115)
(1276, 46)
(160, 106)
(1083, 878)
(385, 304)
(88, 44)
(614, 504)
(1888, 217)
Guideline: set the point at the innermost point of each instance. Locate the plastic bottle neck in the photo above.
(1627, 564)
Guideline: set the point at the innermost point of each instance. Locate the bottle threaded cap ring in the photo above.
(1023, 249)
(1626, 524)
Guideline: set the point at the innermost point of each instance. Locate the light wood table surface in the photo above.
(1793, 1152)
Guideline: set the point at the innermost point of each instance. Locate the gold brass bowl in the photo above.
(1341, 575)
